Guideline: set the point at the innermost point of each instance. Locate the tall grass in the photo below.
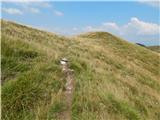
(114, 79)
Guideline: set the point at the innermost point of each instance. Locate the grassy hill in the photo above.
(154, 48)
(115, 80)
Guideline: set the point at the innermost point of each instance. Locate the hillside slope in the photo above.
(154, 48)
(114, 79)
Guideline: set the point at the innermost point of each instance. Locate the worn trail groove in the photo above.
(69, 89)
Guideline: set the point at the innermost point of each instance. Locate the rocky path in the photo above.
(69, 89)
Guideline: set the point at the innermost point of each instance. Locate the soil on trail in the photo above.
(68, 93)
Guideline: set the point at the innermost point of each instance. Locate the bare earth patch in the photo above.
(68, 93)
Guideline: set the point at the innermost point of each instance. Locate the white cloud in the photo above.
(39, 4)
(134, 26)
(29, 6)
(111, 25)
(58, 13)
(34, 6)
(34, 10)
(12, 11)
(22, 0)
(140, 27)
(45, 4)
(153, 3)
(91, 28)
(107, 26)
(74, 28)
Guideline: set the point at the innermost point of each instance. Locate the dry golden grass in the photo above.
(114, 79)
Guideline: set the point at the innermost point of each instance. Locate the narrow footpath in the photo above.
(69, 89)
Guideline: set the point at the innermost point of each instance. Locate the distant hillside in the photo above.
(114, 79)
(155, 48)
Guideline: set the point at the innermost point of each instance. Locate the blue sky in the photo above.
(134, 21)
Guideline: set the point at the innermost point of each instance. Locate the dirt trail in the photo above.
(68, 93)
